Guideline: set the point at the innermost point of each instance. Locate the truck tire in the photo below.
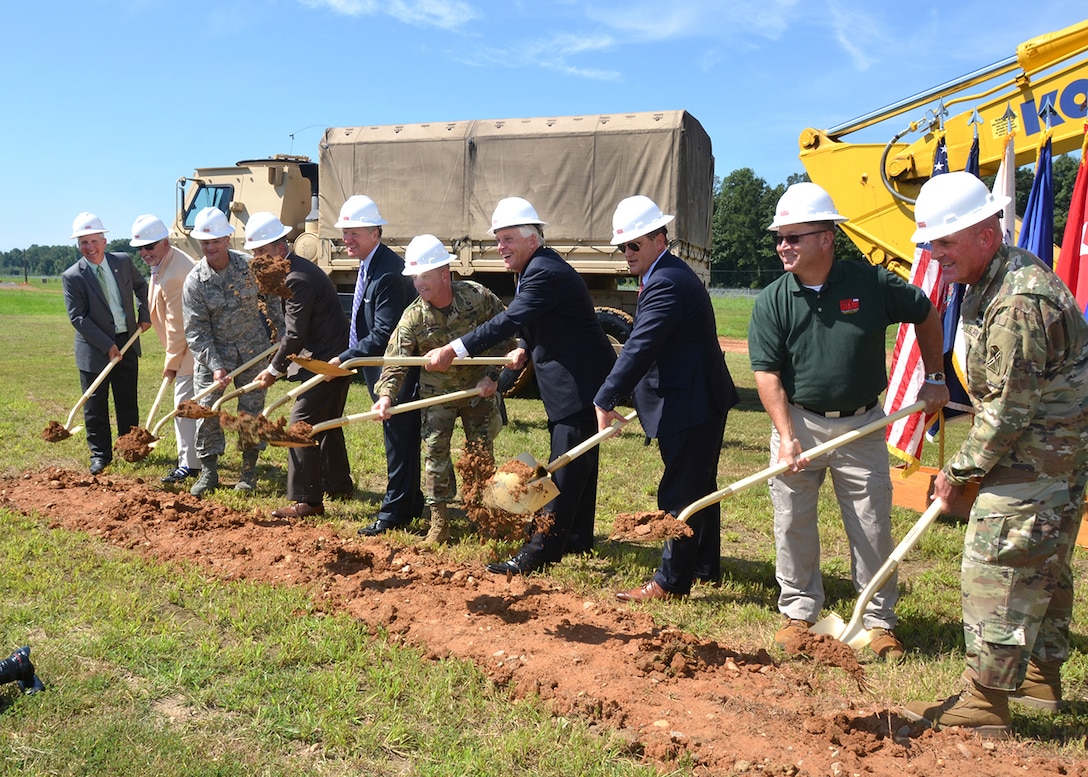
(616, 324)
(617, 327)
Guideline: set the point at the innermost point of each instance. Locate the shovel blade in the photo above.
(856, 636)
(511, 493)
(831, 625)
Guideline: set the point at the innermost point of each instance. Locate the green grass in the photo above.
(153, 671)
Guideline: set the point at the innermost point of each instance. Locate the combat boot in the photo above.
(1042, 686)
(17, 668)
(439, 533)
(247, 479)
(209, 476)
(982, 710)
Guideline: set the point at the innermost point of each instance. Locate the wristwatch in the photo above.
(936, 377)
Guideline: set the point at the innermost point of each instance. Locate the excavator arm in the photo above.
(875, 184)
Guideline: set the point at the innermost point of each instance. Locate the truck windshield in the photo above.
(208, 197)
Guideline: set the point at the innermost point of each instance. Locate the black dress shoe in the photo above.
(522, 563)
(380, 526)
(97, 465)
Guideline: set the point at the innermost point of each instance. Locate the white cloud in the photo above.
(445, 14)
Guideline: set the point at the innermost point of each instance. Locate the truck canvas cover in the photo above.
(445, 178)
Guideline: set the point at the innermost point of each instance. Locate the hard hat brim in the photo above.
(208, 236)
(928, 234)
(631, 234)
(807, 218)
(85, 232)
(359, 224)
(524, 223)
(263, 241)
(419, 269)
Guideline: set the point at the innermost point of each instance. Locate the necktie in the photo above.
(356, 301)
(101, 275)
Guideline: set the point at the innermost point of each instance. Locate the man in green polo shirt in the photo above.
(816, 342)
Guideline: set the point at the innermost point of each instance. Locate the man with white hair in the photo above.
(170, 267)
(552, 312)
(106, 300)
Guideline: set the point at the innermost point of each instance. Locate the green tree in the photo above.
(743, 254)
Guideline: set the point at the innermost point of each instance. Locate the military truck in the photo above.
(444, 178)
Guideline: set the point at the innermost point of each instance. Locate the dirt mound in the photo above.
(134, 445)
(55, 431)
(679, 699)
(649, 525)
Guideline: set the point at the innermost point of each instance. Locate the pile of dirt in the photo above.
(649, 525)
(827, 650)
(685, 704)
(55, 432)
(134, 445)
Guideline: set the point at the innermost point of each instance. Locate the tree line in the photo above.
(742, 253)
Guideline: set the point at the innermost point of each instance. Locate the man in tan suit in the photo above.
(169, 268)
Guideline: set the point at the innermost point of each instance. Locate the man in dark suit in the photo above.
(673, 367)
(381, 294)
(553, 313)
(106, 299)
(314, 325)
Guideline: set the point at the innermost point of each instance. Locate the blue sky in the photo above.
(108, 102)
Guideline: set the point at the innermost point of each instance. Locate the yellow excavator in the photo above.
(1044, 87)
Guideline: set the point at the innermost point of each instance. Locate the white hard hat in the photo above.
(513, 212)
(147, 229)
(950, 202)
(803, 203)
(424, 253)
(87, 224)
(264, 228)
(211, 224)
(359, 211)
(636, 216)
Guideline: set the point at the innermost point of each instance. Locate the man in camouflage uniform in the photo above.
(227, 323)
(444, 310)
(1027, 374)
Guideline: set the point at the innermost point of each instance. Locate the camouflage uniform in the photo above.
(1027, 374)
(226, 327)
(421, 328)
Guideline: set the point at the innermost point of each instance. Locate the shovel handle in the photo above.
(294, 393)
(252, 385)
(589, 443)
(101, 377)
(214, 385)
(936, 507)
(826, 447)
(324, 426)
(166, 381)
(423, 361)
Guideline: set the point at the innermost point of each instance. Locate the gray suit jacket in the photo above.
(89, 311)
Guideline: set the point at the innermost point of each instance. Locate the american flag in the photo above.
(904, 437)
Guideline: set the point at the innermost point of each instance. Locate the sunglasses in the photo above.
(795, 238)
(149, 246)
(632, 247)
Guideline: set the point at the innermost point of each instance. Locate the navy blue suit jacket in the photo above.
(671, 364)
(386, 294)
(89, 311)
(553, 312)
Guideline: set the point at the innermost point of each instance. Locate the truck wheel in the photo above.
(616, 325)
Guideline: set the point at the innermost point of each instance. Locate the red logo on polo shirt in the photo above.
(851, 305)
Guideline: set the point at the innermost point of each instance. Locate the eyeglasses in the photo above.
(632, 247)
(794, 239)
(149, 246)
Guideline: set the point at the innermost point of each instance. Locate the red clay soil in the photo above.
(672, 695)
